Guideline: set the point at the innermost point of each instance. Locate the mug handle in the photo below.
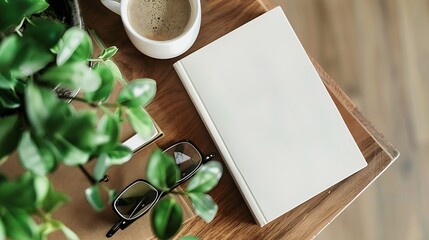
(113, 5)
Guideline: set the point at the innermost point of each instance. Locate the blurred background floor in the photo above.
(378, 52)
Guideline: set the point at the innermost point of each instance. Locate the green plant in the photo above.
(166, 216)
(38, 55)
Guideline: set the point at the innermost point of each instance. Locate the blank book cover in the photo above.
(277, 128)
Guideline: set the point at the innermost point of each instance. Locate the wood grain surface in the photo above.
(378, 52)
(172, 109)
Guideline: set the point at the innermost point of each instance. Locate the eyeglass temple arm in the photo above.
(209, 157)
(115, 228)
(121, 224)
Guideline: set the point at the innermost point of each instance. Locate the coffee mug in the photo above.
(171, 34)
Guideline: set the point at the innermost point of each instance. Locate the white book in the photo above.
(272, 119)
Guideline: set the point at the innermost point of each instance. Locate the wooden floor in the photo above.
(378, 51)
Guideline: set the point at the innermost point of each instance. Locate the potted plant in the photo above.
(37, 55)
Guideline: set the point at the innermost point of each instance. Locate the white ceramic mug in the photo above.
(159, 49)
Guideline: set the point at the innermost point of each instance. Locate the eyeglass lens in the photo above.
(187, 157)
(140, 196)
(136, 200)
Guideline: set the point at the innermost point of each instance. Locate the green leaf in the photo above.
(76, 46)
(31, 61)
(61, 113)
(54, 49)
(35, 156)
(19, 224)
(2, 230)
(73, 75)
(101, 166)
(53, 225)
(9, 48)
(41, 187)
(166, 218)
(204, 206)
(118, 115)
(139, 92)
(44, 110)
(7, 81)
(206, 178)
(53, 200)
(162, 170)
(9, 134)
(35, 6)
(45, 32)
(80, 130)
(115, 70)
(27, 192)
(108, 53)
(18, 194)
(30, 58)
(70, 235)
(12, 12)
(107, 84)
(23, 56)
(39, 102)
(117, 156)
(46, 228)
(93, 196)
(71, 155)
(9, 99)
(112, 194)
(109, 125)
(140, 121)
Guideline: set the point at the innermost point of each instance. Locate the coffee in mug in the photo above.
(159, 20)
(159, 28)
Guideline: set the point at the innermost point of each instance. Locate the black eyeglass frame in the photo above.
(123, 223)
(158, 196)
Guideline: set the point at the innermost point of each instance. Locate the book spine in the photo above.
(238, 179)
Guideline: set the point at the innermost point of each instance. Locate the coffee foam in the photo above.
(159, 19)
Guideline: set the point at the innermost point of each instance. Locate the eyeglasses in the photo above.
(140, 196)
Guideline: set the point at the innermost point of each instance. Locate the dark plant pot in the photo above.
(66, 11)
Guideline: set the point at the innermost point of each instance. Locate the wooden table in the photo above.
(174, 112)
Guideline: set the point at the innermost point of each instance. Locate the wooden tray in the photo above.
(174, 112)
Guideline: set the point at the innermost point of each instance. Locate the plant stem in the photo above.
(87, 175)
(96, 60)
(77, 99)
(17, 28)
(44, 216)
(106, 110)
(102, 47)
(92, 104)
(109, 105)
